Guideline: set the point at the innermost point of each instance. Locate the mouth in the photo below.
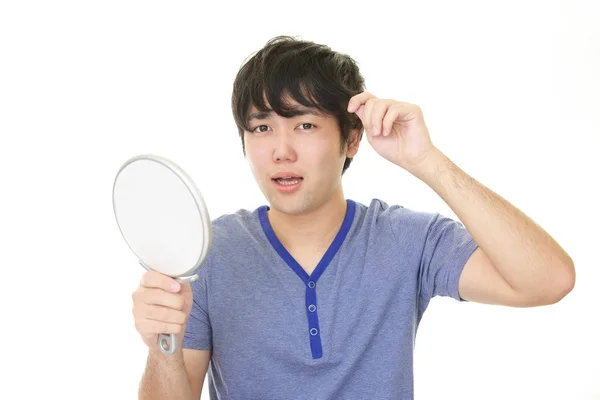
(287, 184)
(288, 181)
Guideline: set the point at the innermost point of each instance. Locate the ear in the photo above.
(353, 142)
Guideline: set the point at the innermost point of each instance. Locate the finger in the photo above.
(398, 112)
(148, 326)
(377, 115)
(159, 297)
(390, 117)
(153, 279)
(360, 112)
(358, 100)
(366, 117)
(160, 313)
(185, 288)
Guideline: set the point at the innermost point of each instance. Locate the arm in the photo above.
(517, 263)
(179, 376)
(161, 305)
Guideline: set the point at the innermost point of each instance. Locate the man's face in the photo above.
(297, 162)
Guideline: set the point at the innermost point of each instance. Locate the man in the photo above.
(316, 296)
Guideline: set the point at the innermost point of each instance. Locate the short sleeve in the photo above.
(198, 333)
(448, 246)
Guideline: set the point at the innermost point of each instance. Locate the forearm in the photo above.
(165, 378)
(527, 257)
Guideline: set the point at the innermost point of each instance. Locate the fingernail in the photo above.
(175, 286)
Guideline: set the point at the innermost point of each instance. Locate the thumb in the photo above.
(185, 287)
(360, 112)
(186, 290)
(188, 297)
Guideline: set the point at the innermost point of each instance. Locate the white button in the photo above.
(314, 331)
(312, 308)
(311, 284)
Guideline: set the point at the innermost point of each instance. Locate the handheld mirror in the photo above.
(164, 220)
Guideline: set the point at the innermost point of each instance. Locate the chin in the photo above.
(291, 206)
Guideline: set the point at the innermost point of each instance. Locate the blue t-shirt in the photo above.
(348, 330)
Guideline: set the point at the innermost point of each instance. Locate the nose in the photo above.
(284, 147)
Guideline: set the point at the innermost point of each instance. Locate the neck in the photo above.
(315, 229)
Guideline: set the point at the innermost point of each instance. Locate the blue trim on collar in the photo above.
(310, 281)
(327, 257)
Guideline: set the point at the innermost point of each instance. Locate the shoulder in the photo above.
(380, 212)
(236, 219)
(232, 228)
(231, 235)
(236, 234)
(394, 221)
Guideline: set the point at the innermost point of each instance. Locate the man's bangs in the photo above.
(282, 95)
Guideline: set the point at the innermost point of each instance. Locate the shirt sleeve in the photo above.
(198, 332)
(448, 246)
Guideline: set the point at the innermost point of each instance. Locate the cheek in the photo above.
(325, 153)
(258, 158)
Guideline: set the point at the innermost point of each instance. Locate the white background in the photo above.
(510, 92)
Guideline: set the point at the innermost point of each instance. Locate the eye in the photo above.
(260, 129)
(307, 126)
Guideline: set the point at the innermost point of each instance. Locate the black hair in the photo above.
(311, 74)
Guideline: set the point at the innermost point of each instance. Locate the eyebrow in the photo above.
(296, 112)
